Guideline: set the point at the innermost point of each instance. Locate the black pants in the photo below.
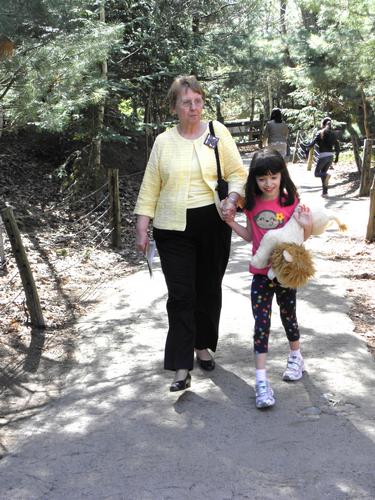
(193, 262)
(321, 170)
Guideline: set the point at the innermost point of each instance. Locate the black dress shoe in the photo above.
(207, 365)
(181, 385)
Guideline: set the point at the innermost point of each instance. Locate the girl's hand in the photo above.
(229, 218)
(304, 218)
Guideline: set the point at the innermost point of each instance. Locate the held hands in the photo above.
(228, 209)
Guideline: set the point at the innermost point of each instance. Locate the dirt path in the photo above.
(113, 430)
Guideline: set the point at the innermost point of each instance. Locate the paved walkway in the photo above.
(116, 432)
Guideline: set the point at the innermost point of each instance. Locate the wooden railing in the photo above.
(246, 133)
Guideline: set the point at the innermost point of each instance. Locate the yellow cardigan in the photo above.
(164, 191)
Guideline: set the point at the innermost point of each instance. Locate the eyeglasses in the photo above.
(187, 103)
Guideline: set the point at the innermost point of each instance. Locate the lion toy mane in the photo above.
(291, 263)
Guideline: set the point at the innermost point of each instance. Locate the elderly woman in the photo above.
(178, 192)
(275, 133)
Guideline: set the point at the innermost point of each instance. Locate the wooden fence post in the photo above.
(31, 293)
(370, 235)
(114, 194)
(296, 146)
(364, 189)
(310, 159)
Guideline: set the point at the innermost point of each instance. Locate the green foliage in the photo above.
(56, 72)
(334, 62)
(311, 59)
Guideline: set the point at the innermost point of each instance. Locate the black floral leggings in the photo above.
(262, 292)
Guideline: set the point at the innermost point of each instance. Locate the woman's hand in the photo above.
(141, 241)
(141, 237)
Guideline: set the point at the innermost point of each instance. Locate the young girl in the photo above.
(270, 201)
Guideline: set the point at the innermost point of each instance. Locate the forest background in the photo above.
(82, 89)
(89, 70)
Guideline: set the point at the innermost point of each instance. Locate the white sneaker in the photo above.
(294, 368)
(264, 395)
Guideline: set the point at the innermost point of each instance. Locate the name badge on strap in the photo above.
(211, 141)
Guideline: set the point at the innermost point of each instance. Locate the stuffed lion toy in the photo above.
(291, 263)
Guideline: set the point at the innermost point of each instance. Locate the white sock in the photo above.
(260, 375)
(296, 353)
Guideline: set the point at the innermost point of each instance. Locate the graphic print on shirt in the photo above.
(268, 219)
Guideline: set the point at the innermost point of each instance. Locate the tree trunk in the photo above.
(354, 140)
(287, 57)
(370, 235)
(219, 115)
(147, 119)
(3, 261)
(269, 95)
(365, 113)
(99, 121)
(261, 128)
(364, 189)
(195, 30)
(310, 20)
(1, 120)
(252, 108)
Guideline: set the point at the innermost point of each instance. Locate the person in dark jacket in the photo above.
(327, 141)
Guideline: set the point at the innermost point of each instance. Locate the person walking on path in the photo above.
(178, 192)
(327, 141)
(271, 199)
(275, 133)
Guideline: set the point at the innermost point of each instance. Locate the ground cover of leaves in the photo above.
(72, 265)
(68, 244)
(357, 261)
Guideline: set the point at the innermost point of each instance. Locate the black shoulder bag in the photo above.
(222, 184)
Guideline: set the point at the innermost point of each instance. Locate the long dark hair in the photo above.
(276, 115)
(268, 162)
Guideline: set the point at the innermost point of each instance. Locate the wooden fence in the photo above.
(85, 222)
(247, 134)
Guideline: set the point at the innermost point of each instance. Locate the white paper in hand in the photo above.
(150, 255)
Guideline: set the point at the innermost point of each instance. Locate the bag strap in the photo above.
(212, 132)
